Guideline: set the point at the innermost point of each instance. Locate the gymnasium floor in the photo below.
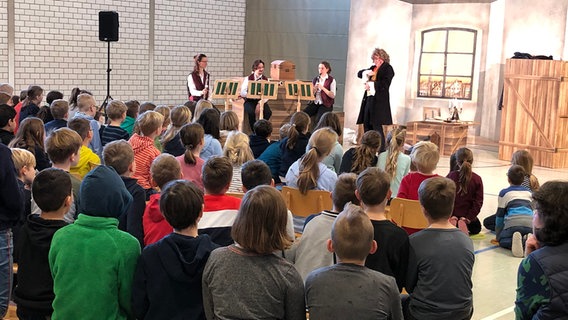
(495, 269)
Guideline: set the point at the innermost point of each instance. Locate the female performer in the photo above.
(375, 108)
(325, 88)
(198, 80)
(252, 106)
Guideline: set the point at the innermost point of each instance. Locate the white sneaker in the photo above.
(517, 245)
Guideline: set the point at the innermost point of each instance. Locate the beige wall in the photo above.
(56, 45)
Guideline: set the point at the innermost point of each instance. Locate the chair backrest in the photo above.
(407, 213)
(239, 195)
(303, 205)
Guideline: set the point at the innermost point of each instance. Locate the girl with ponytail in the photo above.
(171, 141)
(238, 151)
(393, 161)
(469, 193)
(357, 159)
(309, 172)
(294, 146)
(192, 137)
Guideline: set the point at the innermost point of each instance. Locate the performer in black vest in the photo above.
(252, 106)
(375, 108)
(325, 88)
(198, 80)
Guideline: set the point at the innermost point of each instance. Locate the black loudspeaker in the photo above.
(108, 26)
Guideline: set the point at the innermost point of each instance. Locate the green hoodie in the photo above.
(128, 124)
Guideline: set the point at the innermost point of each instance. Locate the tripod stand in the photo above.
(108, 97)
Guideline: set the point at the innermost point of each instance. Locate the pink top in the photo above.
(192, 172)
(409, 185)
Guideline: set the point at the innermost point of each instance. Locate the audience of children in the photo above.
(228, 122)
(309, 172)
(391, 258)
(348, 289)
(469, 194)
(165, 168)
(260, 139)
(87, 158)
(238, 151)
(310, 251)
(440, 261)
(150, 125)
(393, 161)
(180, 116)
(120, 156)
(192, 137)
(293, 147)
(270, 287)
(60, 111)
(514, 216)
(359, 158)
(91, 261)
(116, 113)
(272, 155)
(31, 136)
(167, 281)
(7, 123)
(63, 147)
(331, 120)
(209, 120)
(541, 282)
(52, 191)
(425, 157)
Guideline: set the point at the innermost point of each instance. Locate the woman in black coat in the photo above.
(375, 108)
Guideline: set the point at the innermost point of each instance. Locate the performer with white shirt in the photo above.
(252, 106)
(325, 88)
(198, 80)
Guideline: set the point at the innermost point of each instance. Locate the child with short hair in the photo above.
(87, 109)
(52, 191)
(133, 108)
(391, 258)
(120, 156)
(165, 111)
(60, 111)
(310, 252)
(44, 112)
(7, 123)
(441, 260)
(162, 286)
(260, 139)
(238, 151)
(150, 124)
(87, 158)
(220, 210)
(116, 113)
(31, 137)
(91, 261)
(272, 155)
(165, 168)
(514, 216)
(425, 157)
(171, 141)
(24, 163)
(348, 289)
(192, 137)
(62, 147)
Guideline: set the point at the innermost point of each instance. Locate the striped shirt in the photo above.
(144, 154)
(219, 213)
(112, 133)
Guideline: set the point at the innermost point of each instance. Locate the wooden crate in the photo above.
(535, 111)
(282, 70)
(452, 135)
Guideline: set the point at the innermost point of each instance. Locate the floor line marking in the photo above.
(485, 249)
(500, 313)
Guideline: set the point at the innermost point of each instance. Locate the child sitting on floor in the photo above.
(425, 157)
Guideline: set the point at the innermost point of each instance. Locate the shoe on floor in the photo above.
(517, 245)
(463, 227)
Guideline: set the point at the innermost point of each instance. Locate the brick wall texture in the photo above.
(57, 47)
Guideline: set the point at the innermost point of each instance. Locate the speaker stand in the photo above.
(108, 97)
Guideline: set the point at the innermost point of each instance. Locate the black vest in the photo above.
(554, 262)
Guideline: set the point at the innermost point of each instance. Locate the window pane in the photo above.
(430, 86)
(432, 63)
(458, 87)
(460, 41)
(459, 64)
(434, 41)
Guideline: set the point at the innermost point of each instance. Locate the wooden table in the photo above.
(453, 135)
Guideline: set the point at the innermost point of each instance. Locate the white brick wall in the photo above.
(57, 46)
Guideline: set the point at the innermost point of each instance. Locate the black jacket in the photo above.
(10, 196)
(131, 222)
(258, 145)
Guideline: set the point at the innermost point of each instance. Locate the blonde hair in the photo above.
(352, 234)
(59, 108)
(397, 140)
(425, 156)
(165, 111)
(200, 106)
(179, 117)
(165, 168)
(319, 146)
(365, 154)
(237, 148)
(62, 144)
(524, 159)
(229, 121)
(22, 158)
(149, 122)
(84, 101)
(119, 155)
(115, 109)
